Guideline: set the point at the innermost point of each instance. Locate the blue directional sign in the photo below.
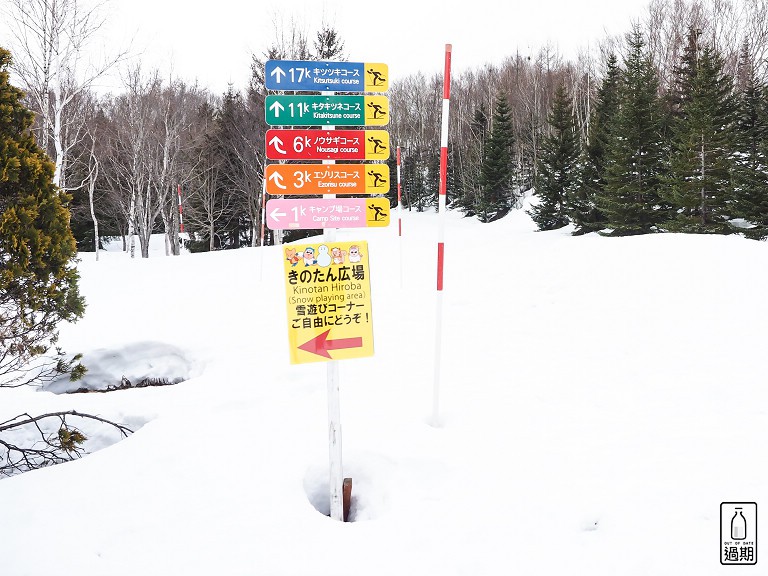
(326, 76)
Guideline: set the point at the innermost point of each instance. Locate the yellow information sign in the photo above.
(328, 297)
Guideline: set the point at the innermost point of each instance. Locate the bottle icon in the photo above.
(738, 525)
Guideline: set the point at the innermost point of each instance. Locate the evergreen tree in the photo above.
(583, 201)
(38, 280)
(557, 170)
(497, 170)
(750, 175)
(328, 44)
(698, 184)
(634, 157)
(684, 75)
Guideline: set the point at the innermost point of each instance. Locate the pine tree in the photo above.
(328, 44)
(38, 281)
(583, 201)
(497, 170)
(684, 74)
(634, 157)
(750, 175)
(557, 170)
(699, 180)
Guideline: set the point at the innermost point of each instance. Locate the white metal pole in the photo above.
(336, 471)
(441, 235)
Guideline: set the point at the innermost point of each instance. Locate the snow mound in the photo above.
(137, 362)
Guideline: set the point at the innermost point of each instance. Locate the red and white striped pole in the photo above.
(263, 209)
(441, 233)
(181, 210)
(263, 218)
(399, 198)
(400, 216)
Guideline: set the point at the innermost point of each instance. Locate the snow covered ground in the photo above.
(600, 397)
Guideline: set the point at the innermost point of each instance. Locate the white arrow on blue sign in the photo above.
(326, 76)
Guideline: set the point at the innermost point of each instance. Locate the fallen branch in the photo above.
(51, 447)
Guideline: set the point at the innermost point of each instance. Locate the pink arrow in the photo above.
(320, 344)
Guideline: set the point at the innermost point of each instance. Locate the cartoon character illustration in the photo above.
(292, 256)
(338, 255)
(354, 253)
(323, 258)
(309, 256)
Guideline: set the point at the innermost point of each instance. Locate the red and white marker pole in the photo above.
(261, 232)
(400, 215)
(441, 233)
(181, 210)
(399, 197)
(263, 209)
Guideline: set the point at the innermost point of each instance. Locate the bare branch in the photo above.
(55, 444)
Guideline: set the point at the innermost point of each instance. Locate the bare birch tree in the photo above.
(51, 39)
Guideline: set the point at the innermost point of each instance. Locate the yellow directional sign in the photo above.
(328, 297)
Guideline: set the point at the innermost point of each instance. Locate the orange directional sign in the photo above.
(327, 179)
(328, 295)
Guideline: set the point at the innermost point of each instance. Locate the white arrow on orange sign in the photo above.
(277, 178)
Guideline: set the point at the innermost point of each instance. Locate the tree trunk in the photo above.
(91, 187)
(131, 231)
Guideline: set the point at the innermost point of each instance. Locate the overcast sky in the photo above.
(213, 41)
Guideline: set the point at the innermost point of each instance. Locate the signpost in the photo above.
(314, 213)
(327, 144)
(309, 110)
(327, 179)
(328, 295)
(326, 76)
(327, 283)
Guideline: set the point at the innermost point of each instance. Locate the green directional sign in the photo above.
(327, 110)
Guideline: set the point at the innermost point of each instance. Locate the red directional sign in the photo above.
(327, 144)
